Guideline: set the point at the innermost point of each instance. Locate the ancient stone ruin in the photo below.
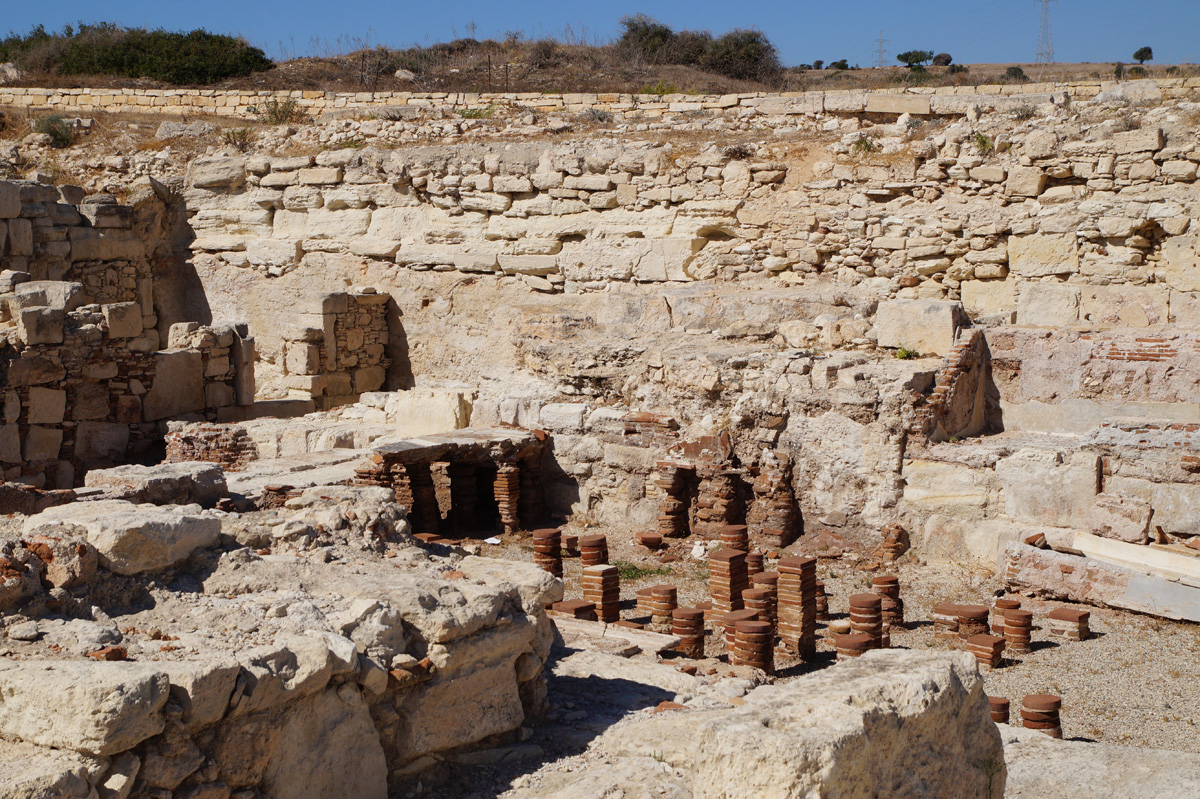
(838, 444)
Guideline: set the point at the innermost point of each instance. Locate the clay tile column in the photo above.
(999, 606)
(602, 587)
(754, 645)
(987, 649)
(1041, 712)
(1018, 630)
(507, 492)
(998, 707)
(735, 536)
(797, 605)
(688, 625)
(852, 645)
(547, 551)
(945, 620)
(593, 550)
(1070, 624)
(727, 579)
(663, 601)
(729, 622)
(888, 588)
(972, 620)
(866, 617)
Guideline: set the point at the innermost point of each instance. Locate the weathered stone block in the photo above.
(927, 327)
(105, 441)
(217, 173)
(1138, 141)
(178, 386)
(124, 319)
(94, 707)
(40, 326)
(1121, 518)
(1047, 305)
(878, 103)
(47, 405)
(564, 417)
(1025, 181)
(42, 444)
(10, 200)
(321, 176)
(273, 252)
(1050, 488)
(302, 358)
(34, 371)
(10, 443)
(1124, 306)
(89, 401)
(1042, 254)
(1180, 263)
(369, 378)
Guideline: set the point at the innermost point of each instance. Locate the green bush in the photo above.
(58, 129)
(741, 54)
(195, 57)
(278, 112)
(1015, 73)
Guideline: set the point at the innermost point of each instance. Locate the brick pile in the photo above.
(593, 550)
(754, 645)
(507, 491)
(822, 602)
(547, 551)
(972, 620)
(888, 588)
(759, 601)
(727, 579)
(576, 608)
(671, 479)
(866, 617)
(717, 501)
(987, 649)
(227, 444)
(797, 604)
(895, 542)
(688, 625)
(663, 601)
(1071, 624)
(642, 595)
(755, 563)
(1018, 630)
(602, 586)
(1041, 712)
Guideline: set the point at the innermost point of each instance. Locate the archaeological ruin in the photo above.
(834, 444)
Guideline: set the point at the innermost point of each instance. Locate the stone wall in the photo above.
(235, 103)
(86, 376)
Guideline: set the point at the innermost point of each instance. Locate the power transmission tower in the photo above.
(881, 54)
(1045, 48)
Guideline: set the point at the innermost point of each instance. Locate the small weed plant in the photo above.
(239, 138)
(628, 570)
(58, 129)
(278, 112)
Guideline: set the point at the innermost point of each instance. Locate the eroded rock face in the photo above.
(164, 484)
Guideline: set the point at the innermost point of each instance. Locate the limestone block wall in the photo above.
(241, 103)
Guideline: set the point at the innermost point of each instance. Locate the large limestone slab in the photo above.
(1048, 487)
(1180, 264)
(878, 103)
(37, 772)
(93, 707)
(927, 327)
(1176, 505)
(987, 297)
(1047, 305)
(1124, 306)
(164, 484)
(891, 723)
(1041, 254)
(133, 538)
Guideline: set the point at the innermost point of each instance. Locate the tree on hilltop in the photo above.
(915, 59)
(1143, 54)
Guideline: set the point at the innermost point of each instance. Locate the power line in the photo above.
(1045, 48)
(881, 54)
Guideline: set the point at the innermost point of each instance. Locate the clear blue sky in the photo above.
(973, 31)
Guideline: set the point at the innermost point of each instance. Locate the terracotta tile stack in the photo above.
(759, 601)
(602, 586)
(727, 579)
(769, 581)
(671, 479)
(1018, 630)
(822, 602)
(838, 627)
(576, 608)
(1041, 712)
(729, 623)
(1070, 624)
(688, 625)
(507, 491)
(754, 645)
(852, 645)
(797, 604)
(972, 620)
(663, 601)
(998, 608)
(998, 707)
(547, 551)
(717, 501)
(895, 542)
(643, 600)
(570, 545)
(987, 649)
(866, 617)
(945, 620)
(735, 536)
(754, 563)
(593, 550)
(888, 588)
(772, 517)
(650, 541)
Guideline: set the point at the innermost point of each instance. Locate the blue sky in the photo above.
(973, 31)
